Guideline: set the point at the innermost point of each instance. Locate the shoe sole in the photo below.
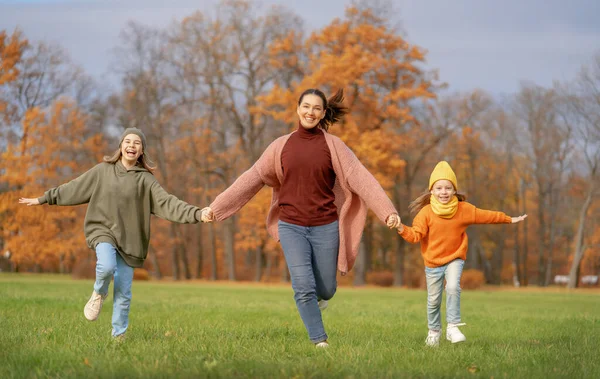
(89, 319)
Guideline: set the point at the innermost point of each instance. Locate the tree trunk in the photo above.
(517, 277)
(399, 244)
(259, 263)
(579, 247)
(61, 263)
(175, 255)
(154, 260)
(360, 266)
(364, 255)
(199, 254)
(548, 269)
(541, 239)
(268, 266)
(484, 262)
(400, 248)
(497, 258)
(525, 235)
(184, 260)
(228, 237)
(473, 259)
(213, 251)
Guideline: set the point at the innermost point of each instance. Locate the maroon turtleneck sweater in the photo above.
(306, 195)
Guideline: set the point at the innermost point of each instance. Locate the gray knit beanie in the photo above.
(137, 132)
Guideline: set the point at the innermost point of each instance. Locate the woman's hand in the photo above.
(393, 221)
(28, 201)
(207, 215)
(518, 219)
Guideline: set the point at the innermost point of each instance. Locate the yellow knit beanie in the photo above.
(443, 171)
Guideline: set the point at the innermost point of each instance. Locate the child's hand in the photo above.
(393, 221)
(400, 228)
(29, 202)
(207, 215)
(518, 219)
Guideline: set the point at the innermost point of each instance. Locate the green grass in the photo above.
(236, 330)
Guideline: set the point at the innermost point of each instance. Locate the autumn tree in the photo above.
(52, 149)
(536, 107)
(47, 138)
(583, 112)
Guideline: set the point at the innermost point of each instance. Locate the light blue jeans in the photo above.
(311, 254)
(111, 264)
(435, 279)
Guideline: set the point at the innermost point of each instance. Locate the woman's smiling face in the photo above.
(311, 111)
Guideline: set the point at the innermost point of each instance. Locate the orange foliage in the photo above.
(50, 152)
(11, 50)
(377, 69)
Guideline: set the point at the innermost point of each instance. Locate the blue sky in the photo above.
(487, 44)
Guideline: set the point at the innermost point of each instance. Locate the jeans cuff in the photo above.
(319, 339)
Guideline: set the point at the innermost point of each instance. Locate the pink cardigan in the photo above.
(355, 189)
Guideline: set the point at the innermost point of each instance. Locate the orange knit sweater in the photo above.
(444, 240)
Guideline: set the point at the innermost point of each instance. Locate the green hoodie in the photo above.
(120, 204)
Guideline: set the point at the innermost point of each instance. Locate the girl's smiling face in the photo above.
(443, 190)
(131, 148)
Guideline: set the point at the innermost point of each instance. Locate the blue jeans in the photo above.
(311, 254)
(111, 264)
(435, 279)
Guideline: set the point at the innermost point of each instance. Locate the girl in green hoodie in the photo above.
(121, 194)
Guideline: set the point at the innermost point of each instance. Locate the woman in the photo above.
(321, 192)
(121, 194)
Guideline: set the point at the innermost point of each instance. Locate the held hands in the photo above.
(28, 201)
(207, 215)
(518, 219)
(393, 221)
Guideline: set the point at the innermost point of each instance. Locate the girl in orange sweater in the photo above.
(440, 225)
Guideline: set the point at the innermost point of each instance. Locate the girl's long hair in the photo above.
(142, 160)
(417, 204)
(335, 110)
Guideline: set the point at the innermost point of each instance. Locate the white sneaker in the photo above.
(93, 307)
(323, 305)
(453, 334)
(322, 345)
(433, 338)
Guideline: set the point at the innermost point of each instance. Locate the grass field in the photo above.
(222, 330)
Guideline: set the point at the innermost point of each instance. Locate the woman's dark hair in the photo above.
(335, 110)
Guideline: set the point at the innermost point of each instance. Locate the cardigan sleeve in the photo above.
(363, 183)
(247, 185)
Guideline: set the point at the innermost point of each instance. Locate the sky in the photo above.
(485, 44)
